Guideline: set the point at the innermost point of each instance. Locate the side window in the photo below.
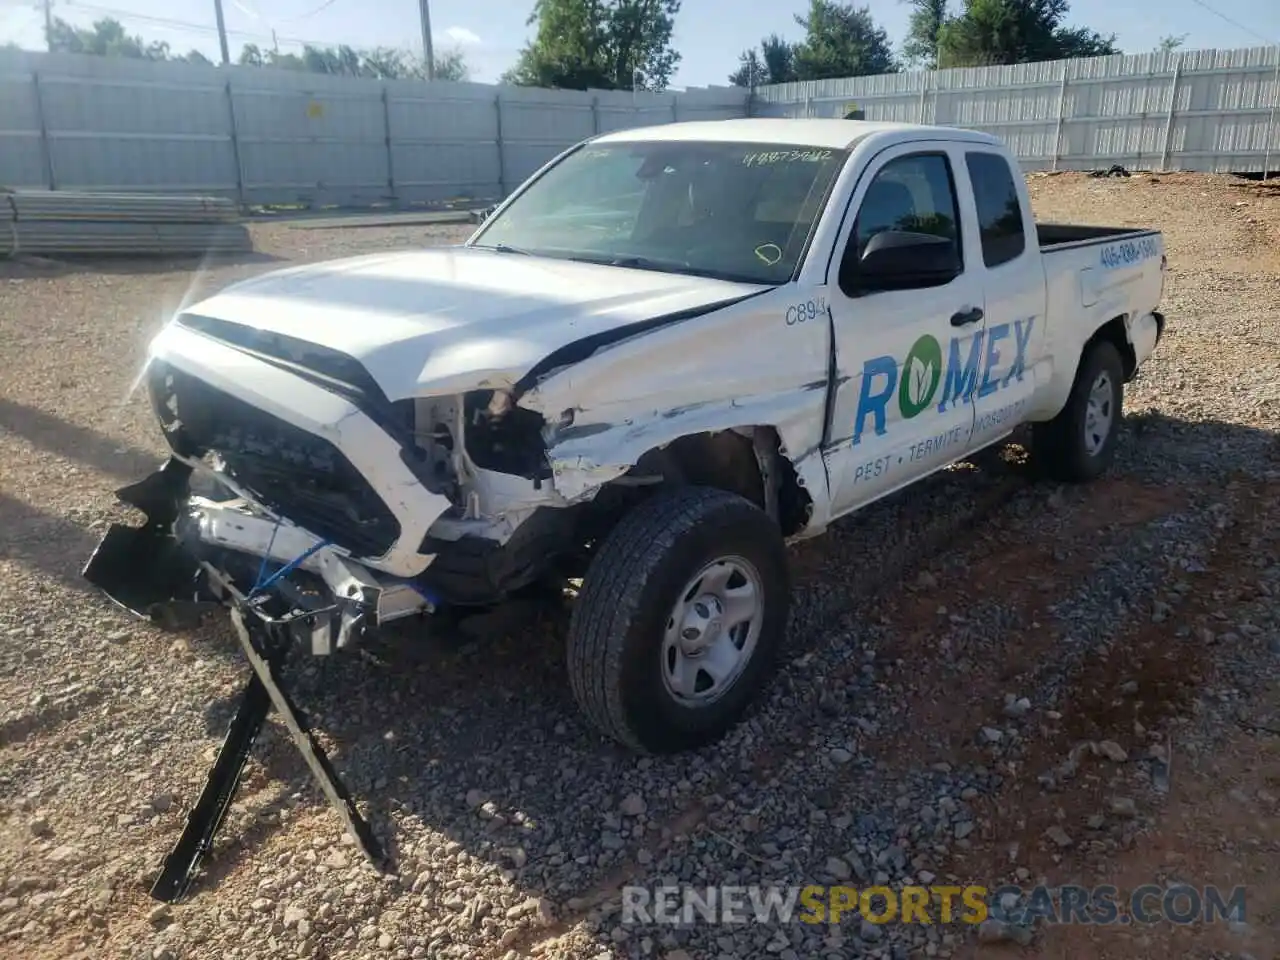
(912, 193)
(999, 212)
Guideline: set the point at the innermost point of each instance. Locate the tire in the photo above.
(1071, 448)
(626, 664)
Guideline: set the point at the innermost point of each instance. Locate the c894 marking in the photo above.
(804, 312)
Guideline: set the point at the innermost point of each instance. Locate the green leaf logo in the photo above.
(921, 374)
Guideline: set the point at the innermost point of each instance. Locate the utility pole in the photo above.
(424, 6)
(48, 25)
(222, 33)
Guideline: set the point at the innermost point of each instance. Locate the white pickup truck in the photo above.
(669, 353)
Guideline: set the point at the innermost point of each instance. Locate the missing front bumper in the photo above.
(158, 567)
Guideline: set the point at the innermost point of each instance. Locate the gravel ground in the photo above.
(1021, 681)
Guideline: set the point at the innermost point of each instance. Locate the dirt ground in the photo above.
(1139, 617)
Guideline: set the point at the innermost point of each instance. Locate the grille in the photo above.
(295, 473)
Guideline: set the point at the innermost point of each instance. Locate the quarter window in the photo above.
(999, 212)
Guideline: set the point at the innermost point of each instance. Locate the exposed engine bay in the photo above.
(254, 488)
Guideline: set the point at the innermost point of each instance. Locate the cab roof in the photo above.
(831, 134)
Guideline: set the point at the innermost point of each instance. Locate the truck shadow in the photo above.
(73, 442)
(59, 547)
(55, 546)
(482, 745)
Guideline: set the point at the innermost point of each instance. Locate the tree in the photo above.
(380, 63)
(774, 62)
(601, 44)
(924, 26)
(841, 41)
(751, 70)
(1170, 43)
(342, 61)
(1076, 42)
(251, 55)
(452, 65)
(106, 38)
(991, 32)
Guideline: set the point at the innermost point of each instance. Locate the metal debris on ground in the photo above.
(266, 641)
(70, 223)
(1115, 170)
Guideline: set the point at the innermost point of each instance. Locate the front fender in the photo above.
(595, 449)
(738, 367)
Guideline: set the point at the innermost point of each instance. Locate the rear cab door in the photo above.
(898, 413)
(1011, 359)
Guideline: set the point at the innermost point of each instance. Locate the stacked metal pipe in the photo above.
(69, 223)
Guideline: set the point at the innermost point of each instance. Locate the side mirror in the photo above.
(900, 260)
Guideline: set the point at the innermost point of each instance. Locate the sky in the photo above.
(709, 33)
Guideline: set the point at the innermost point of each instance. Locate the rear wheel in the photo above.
(679, 620)
(1078, 444)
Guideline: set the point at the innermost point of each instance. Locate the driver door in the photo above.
(905, 356)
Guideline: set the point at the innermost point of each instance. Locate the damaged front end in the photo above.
(317, 510)
(313, 510)
(276, 510)
(161, 569)
(218, 530)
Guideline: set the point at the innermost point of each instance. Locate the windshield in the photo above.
(734, 211)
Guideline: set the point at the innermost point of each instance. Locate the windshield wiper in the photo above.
(504, 248)
(635, 263)
(670, 266)
(644, 263)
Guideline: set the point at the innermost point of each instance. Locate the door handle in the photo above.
(966, 317)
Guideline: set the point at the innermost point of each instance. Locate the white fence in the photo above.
(282, 137)
(279, 137)
(1211, 110)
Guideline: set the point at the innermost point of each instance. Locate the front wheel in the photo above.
(679, 620)
(1079, 444)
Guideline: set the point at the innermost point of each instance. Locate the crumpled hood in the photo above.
(456, 318)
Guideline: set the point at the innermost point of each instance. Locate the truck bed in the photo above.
(1096, 274)
(1056, 235)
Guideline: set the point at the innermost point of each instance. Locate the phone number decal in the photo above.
(1129, 252)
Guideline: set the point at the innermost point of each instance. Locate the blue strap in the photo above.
(288, 568)
(262, 567)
